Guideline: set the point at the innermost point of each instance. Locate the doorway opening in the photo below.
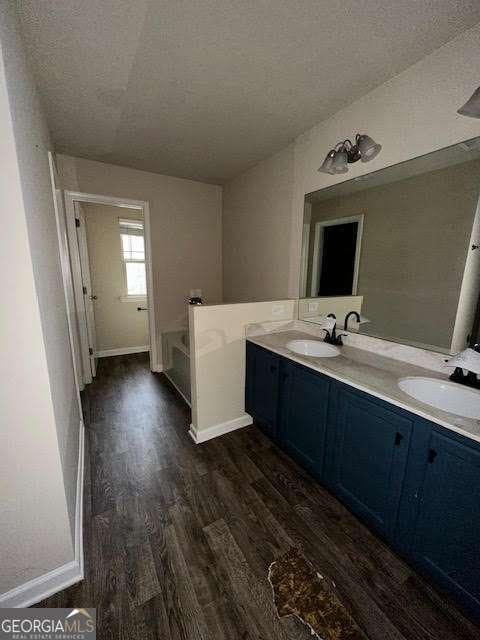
(336, 257)
(110, 251)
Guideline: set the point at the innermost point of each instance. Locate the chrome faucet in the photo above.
(332, 337)
(347, 317)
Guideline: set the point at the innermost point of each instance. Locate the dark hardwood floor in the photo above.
(178, 537)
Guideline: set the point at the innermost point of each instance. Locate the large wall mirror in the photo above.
(399, 245)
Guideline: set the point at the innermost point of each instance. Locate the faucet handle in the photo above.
(457, 375)
(468, 359)
(328, 337)
(339, 339)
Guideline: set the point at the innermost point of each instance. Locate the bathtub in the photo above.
(176, 360)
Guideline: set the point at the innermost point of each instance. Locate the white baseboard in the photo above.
(42, 587)
(203, 435)
(157, 368)
(106, 353)
(64, 576)
(79, 501)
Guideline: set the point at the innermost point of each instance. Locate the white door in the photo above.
(89, 296)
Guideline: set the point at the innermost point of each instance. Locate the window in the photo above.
(133, 257)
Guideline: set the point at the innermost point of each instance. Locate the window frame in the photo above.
(124, 229)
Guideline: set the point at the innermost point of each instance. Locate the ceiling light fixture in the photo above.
(472, 106)
(345, 153)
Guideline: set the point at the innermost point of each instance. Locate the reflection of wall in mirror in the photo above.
(415, 241)
(315, 309)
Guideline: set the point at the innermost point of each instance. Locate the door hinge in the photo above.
(84, 291)
(90, 351)
(77, 222)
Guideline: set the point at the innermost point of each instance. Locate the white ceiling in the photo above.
(204, 89)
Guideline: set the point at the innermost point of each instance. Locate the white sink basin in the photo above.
(315, 348)
(448, 396)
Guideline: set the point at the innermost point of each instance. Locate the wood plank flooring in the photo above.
(178, 537)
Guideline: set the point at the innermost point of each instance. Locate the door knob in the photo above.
(93, 297)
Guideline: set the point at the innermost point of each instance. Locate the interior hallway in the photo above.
(178, 538)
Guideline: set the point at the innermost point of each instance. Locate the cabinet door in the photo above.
(303, 415)
(370, 454)
(262, 387)
(446, 534)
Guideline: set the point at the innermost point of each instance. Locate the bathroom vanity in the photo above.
(392, 259)
(409, 471)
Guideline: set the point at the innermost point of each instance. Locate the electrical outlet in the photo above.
(312, 306)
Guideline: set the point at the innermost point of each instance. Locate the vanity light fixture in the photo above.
(345, 153)
(472, 107)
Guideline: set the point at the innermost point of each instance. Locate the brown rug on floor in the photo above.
(300, 591)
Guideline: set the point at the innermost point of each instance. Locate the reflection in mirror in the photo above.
(396, 246)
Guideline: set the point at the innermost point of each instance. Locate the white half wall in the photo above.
(217, 362)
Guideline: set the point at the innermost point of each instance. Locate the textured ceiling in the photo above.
(204, 89)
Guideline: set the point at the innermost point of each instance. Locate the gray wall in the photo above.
(257, 210)
(400, 114)
(40, 416)
(186, 231)
(415, 239)
(32, 143)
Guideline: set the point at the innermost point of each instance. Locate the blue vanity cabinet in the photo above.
(370, 445)
(262, 387)
(414, 482)
(303, 415)
(445, 530)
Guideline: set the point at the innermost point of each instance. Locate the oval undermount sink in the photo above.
(444, 395)
(315, 348)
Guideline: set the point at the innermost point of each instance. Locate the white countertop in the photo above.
(372, 373)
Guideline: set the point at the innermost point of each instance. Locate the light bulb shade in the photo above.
(472, 107)
(327, 165)
(340, 161)
(369, 149)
